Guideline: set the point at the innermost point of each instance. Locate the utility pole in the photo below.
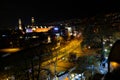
(32, 69)
(103, 47)
(55, 63)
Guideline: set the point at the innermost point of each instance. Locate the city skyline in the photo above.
(48, 11)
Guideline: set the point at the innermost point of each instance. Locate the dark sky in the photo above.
(48, 11)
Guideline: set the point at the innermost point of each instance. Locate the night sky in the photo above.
(48, 11)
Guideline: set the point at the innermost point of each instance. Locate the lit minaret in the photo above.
(20, 24)
(32, 21)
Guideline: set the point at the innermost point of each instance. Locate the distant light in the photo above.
(79, 75)
(57, 34)
(105, 50)
(69, 29)
(103, 42)
(35, 36)
(21, 37)
(33, 28)
(45, 27)
(114, 65)
(72, 75)
(3, 35)
(49, 39)
(5, 55)
(111, 44)
(41, 27)
(76, 77)
(10, 50)
(29, 30)
(89, 47)
(56, 28)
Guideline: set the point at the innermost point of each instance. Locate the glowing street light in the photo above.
(10, 50)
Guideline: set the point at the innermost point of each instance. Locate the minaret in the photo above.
(32, 22)
(20, 24)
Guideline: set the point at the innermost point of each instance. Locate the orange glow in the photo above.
(41, 29)
(10, 50)
(66, 78)
(114, 65)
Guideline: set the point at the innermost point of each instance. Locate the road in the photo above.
(59, 60)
